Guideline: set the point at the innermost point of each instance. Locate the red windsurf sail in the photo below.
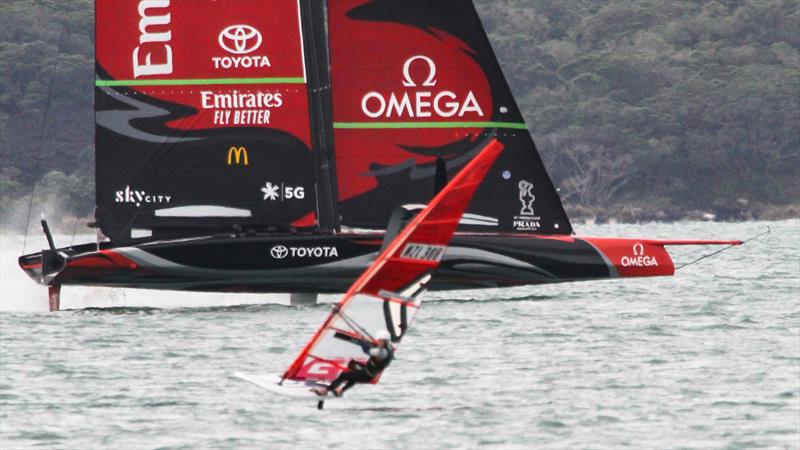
(387, 295)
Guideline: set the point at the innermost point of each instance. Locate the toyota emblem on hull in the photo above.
(279, 251)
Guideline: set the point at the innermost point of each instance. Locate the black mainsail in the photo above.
(209, 116)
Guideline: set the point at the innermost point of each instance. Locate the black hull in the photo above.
(315, 263)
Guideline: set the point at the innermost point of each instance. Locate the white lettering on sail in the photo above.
(137, 197)
(282, 192)
(419, 104)
(240, 62)
(157, 39)
(241, 108)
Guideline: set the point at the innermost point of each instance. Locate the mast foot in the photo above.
(54, 297)
(302, 299)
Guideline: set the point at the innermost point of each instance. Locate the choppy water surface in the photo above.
(707, 359)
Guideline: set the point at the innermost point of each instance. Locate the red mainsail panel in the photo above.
(236, 62)
(384, 103)
(417, 80)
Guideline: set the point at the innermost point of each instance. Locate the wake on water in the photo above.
(19, 293)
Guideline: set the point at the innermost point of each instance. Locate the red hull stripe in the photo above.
(630, 257)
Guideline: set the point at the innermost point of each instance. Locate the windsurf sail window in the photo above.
(387, 296)
(415, 80)
(203, 102)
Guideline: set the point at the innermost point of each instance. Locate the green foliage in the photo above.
(676, 105)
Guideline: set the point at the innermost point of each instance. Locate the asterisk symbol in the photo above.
(270, 191)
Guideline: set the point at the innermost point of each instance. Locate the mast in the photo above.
(315, 38)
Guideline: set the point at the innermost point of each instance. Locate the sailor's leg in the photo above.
(302, 298)
(321, 404)
(342, 377)
(54, 297)
(356, 377)
(348, 385)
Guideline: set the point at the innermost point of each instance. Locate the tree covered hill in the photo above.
(641, 108)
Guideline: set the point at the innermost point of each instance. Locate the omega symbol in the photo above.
(430, 81)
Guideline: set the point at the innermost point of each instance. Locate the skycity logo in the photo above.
(240, 40)
(139, 198)
(155, 41)
(421, 103)
(639, 259)
(273, 192)
(282, 251)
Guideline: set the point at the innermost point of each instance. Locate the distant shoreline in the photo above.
(740, 212)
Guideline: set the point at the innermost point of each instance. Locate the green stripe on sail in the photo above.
(200, 81)
(411, 125)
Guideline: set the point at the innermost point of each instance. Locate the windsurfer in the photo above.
(380, 354)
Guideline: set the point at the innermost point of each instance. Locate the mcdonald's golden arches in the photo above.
(238, 155)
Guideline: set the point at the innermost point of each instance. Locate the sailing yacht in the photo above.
(255, 146)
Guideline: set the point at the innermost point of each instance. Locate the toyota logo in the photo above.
(240, 39)
(279, 251)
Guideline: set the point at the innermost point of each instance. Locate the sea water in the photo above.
(709, 358)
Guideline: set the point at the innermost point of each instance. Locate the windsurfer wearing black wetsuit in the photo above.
(380, 356)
